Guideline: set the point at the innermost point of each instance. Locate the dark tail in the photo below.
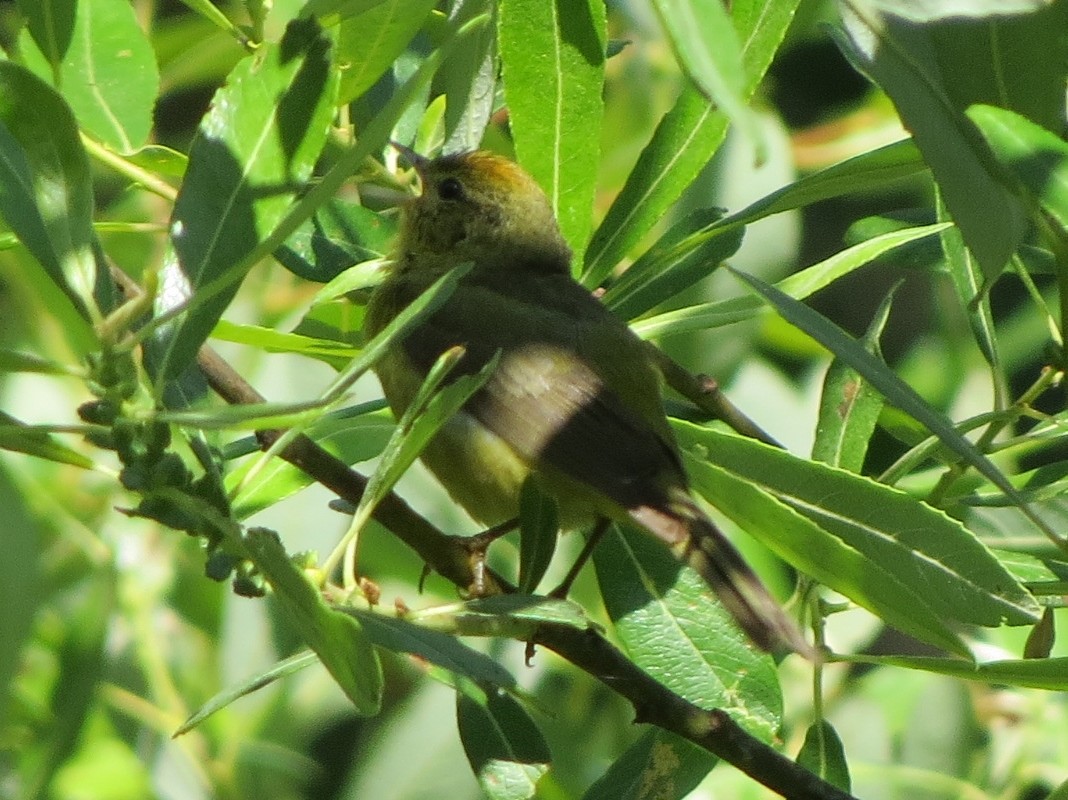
(696, 541)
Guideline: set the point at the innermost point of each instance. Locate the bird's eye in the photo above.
(450, 189)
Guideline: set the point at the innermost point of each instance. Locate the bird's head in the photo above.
(482, 208)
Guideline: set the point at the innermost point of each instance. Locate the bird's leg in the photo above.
(477, 546)
(561, 591)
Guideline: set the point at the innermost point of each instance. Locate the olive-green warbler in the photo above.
(575, 398)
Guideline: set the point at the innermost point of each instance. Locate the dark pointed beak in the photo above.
(420, 163)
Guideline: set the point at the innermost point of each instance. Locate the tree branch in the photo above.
(588, 650)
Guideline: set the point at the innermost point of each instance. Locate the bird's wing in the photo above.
(574, 388)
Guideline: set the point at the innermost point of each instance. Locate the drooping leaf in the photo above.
(503, 744)
(822, 754)
(337, 638)
(660, 764)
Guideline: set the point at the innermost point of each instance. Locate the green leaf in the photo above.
(339, 235)
(658, 765)
(504, 746)
(275, 341)
(940, 561)
(684, 141)
(690, 250)
(51, 24)
(968, 282)
(1034, 673)
(849, 408)
(350, 439)
(798, 286)
(815, 552)
(46, 193)
(282, 669)
(21, 438)
(20, 584)
(254, 151)
(672, 627)
(895, 390)
(539, 527)
(331, 12)
(1038, 158)
(433, 646)
(338, 639)
(822, 754)
(515, 616)
(108, 73)
(370, 41)
(469, 81)
(14, 361)
(915, 66)
(553, 57)
(707, 48)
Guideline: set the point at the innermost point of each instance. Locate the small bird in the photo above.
(575, 399)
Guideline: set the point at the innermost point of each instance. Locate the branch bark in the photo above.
(588, 650)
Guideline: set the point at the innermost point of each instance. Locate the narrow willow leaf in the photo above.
(828, 559)
(21, 586)
(275, 341)
(849, 407)
(46, 193)
(1033, 673)
(331, 12)
(282, 669)
(684, 141)
(798, 286)
(107, 74)
(515, 616)
(350, 439)
(822, 754)
(433, 646)
(967, 280)
(539, 527)
(15, 361)
(934, 10)
(690, 250)
(370, 41)
(21, 438)
(895, 390)
(936, 557)
(254, 151)
(469, 80)
(671, 626)
(337, 638)
(553, 70)
(901, 58)
(504, 746)
(428, 412)
(707, 48)
(659, 764)
(1037, 157)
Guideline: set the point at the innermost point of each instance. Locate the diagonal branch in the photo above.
(588, 650)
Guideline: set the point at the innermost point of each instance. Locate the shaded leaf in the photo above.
(659, 765)
(1035, 673)
(671, 626)
(504, 746)
(254, 151)
(337, 639)
(539, 527)
(51, 24)
(46, 194)
(822, 754)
